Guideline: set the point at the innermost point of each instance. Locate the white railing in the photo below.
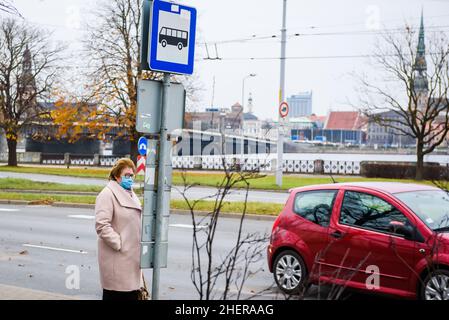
(256, 162)
(266, 163)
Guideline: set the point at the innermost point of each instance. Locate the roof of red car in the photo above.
(389, 187)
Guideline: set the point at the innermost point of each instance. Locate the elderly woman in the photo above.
(118, 225)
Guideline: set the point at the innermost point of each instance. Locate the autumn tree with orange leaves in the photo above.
(110, 102)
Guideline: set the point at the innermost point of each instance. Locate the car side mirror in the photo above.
(401, 228)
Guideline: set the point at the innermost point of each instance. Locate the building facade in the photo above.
(380, 135)
(300, 104)
(216, 119)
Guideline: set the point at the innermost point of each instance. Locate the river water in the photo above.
(358, 157)
(442, 159)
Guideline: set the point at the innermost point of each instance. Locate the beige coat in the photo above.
(118, 225)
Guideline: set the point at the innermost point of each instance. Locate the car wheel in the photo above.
(180, 46)
(164, 43)
(436, 286)
(289, 271)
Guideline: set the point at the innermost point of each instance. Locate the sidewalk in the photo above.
(16, 293)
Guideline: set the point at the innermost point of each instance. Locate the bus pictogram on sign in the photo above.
(174, 37)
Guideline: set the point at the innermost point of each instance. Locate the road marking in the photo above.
(9, 210)
(186, 226)
(55, 249)
(81, 216)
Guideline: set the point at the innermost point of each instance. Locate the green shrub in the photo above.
(401, 170)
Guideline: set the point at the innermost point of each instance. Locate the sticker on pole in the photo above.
(283, 110)
(172, 38)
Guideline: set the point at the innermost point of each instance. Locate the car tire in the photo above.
(180, 46)
(289, 272)
(164, 43)
(435, 286)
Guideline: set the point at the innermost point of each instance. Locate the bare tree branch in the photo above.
(408, 100)
(28, 73)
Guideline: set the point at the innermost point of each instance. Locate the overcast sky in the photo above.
(312, 66)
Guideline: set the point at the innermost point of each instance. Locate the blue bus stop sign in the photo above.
(142, 146)
(172, 38)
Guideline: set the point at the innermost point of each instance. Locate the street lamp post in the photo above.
(282, 122)
(242, 142)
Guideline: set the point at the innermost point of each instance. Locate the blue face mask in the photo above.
(127, 183)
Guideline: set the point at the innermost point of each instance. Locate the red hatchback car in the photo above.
(390, 238)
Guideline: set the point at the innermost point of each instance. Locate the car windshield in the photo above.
(432, 207)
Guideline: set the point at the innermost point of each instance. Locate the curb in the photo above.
(71, 193)
(18, 293)
(255, 217)
(55, 204)
(238, 189)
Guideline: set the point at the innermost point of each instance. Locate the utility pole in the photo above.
(161, 183)
(280, 146)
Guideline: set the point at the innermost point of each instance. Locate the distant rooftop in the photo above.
(345, 120)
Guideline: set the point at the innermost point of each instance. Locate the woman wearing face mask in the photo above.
(118, 225)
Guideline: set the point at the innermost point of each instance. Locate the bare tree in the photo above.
(8, 7)
(232, 270)
(27, 73)
(411, 96)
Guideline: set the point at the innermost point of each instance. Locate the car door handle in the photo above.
(337, 234)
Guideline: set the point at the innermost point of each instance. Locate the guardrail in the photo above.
(78, 160)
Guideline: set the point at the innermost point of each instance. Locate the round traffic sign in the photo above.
(142, 146)
(283, 109)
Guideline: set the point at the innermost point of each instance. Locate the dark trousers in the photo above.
(109, 295)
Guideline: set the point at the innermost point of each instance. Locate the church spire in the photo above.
(420, 67)
(420, 63)
(27, 61)
(28, 83)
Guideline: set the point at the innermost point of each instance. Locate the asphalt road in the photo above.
(56, 238)
(41, 245)
(193, 193)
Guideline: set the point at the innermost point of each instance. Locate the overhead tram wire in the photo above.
(254, 37)
(355, 32)
(308, 34)
(356, 56)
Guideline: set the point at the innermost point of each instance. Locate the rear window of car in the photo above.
(315, 206)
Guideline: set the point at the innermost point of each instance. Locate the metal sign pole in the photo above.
(161, 181)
